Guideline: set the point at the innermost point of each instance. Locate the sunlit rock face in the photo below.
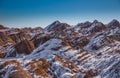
(86, 50)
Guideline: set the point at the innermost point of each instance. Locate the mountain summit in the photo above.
(56, 26)
(51, 26)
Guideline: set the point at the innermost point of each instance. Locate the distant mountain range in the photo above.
(86, 50)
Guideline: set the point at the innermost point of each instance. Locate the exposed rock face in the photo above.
(115, 37)
(40, 39)
(88, 50)
(2, 54)
(114, 23)
(97, 27)
(4, 66)
(84, 25)
(12, 36)
(3, 36)
(18, 37)
(25, 46)
(1, 42)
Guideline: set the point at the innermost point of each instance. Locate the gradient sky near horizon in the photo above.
(33, 13)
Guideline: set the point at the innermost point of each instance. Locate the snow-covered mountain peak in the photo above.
(51, 26)
(114, 23)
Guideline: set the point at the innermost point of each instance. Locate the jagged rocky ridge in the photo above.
(87, 50)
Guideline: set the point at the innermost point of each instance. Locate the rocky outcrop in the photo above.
(113, 24)
(1, 42)
(20, 73)
(83, 42)
(4, 38)
(2, 54)
(25, 47)
(91, 74)
(40, 39)
(19, 36)
(115, 37)
(97, 26)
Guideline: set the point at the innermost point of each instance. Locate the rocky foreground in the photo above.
(87, 50)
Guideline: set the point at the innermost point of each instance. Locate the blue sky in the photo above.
(32, 13)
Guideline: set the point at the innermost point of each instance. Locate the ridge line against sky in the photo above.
(33, 13)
